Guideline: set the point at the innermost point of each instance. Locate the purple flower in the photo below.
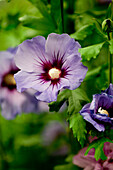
(11, 101)
(53, 132)
(49, 65)
(100, 111)
(88, 162)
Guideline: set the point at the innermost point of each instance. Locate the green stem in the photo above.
(110, 63)
(110, 69)
(62, 16)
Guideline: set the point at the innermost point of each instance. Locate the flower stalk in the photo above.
(110, 63)
(62, 16)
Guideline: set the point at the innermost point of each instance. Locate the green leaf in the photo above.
(20, 7)
(110, 11)
(74, 104)
(108, 14)
(83, 32)
(91, 51)
(74, 100)
(43, 9)
(99, 30)
(62, 97)
(87, 30)
(111, 46)
(56, 9)
(43, 24)
(73, 97)
(96, 72)
(93, 72)
(78, 125)
(98, 146)
(56, 13)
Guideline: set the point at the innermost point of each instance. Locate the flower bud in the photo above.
(107, 25)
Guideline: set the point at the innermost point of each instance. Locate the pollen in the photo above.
(102, 111)
(9, 79)
(54, 73)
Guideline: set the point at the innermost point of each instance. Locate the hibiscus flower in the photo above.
(100, 111)
(11, 101)
(49, 65)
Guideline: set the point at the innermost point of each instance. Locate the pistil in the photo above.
(54, 73)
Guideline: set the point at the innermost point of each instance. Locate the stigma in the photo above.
(102, 111)
(54, 73)
(9, 79)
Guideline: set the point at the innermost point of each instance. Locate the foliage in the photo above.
(91, 51)
(83, 32)
(78, 126)
(111, 46)
(72, 97)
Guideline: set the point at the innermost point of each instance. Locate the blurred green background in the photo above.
(23, 141)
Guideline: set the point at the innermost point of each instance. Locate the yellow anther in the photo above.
(54, 73)
(9, 79)
(102, 111)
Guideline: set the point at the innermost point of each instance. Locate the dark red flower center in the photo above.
(9, 81)
(53, 71)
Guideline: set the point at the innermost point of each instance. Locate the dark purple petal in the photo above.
(86, 108)
(100, 110)
(101, 118)
(100, 101)
(104, 102)
(94, 103)
(87, 117)
(109, 90)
